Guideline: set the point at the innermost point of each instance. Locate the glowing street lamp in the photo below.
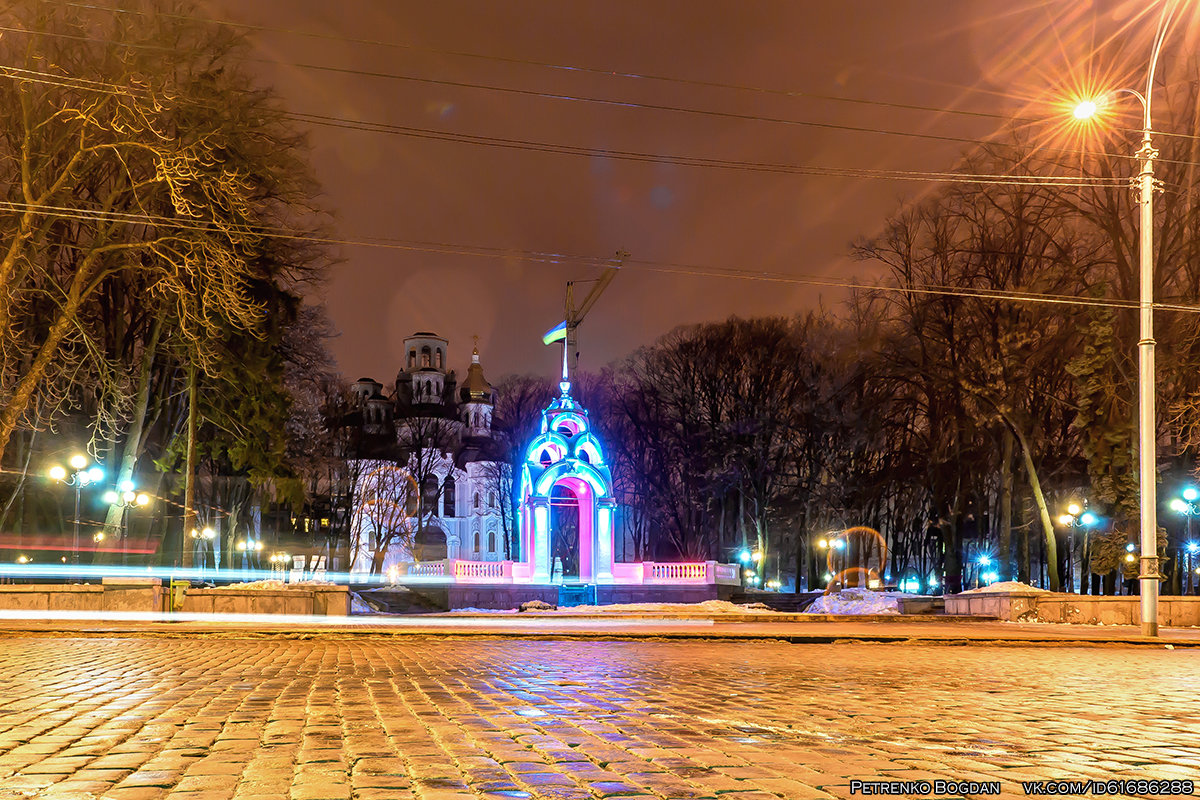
(201, 539)
(79, 476)
(1148, 572)
(1188, 506)
(280, 561)
(126, 499)
(1076, 517)
(1192, 548)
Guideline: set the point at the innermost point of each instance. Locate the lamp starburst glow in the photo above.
(1086, 109)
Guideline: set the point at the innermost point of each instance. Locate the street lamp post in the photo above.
(249, 549)
(81, 475)
(1147, 473)
(1076, 517)
(202, 540)
(1192, 549)
(984, 572)
(1187, 506)
(127, 499)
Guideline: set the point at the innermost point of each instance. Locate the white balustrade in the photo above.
(427, 569)
(677, 573)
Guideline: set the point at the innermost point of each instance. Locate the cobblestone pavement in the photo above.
(435, 718)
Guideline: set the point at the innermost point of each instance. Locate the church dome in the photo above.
(475, 388)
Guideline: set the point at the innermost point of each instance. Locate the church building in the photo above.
(430, 475)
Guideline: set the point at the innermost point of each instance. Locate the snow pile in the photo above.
(1005, 587)
(536, 605)
(265, 584)
(275, 584)
(358, 606)
(474, 610)
(857, 601)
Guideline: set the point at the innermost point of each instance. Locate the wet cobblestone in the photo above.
(442, 719)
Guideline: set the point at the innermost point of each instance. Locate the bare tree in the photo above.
(382, 517)
(122, 167)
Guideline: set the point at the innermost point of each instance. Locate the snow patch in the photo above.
(276, 584)
(857, 601)
(714, 607)
(704, 607)
(536, 605)
(1005, 587)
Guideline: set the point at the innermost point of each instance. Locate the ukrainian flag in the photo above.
(556, 334)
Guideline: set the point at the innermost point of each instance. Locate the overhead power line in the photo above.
(562, 149)
(568, 68)
(694, 270)
(695, 161)
(629, 103)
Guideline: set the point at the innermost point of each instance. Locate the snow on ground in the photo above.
(857, 601)
(275, 584)
(705, 607)
(1005, 587)
(265, 584)
(357, 606)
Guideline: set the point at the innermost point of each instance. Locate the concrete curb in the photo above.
(884, 631)
(731, 618)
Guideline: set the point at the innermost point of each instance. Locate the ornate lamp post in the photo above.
(1076, 517)
(127, 499)
(201, 539)
(1187, 506)
(248, 547)
(79, 476)
(1148, 573)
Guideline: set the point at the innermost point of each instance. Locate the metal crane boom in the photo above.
(565, 331)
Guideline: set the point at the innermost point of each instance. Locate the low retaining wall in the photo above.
(501, 596)
(147, 594)
(322, 601)
(615, 593)
(1173, 612)
(112, 594)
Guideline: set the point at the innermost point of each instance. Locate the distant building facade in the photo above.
(428, 464)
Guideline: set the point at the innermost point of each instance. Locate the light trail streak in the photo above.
(498, 620)
(98, 571)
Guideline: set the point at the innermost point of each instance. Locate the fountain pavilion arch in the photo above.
(566, 455)
(565, 463)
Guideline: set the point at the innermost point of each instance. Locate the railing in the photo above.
(648, 572)
(481, 570)
(426, 569)
(697, 572)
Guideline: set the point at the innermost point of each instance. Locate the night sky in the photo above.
(947, 56)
